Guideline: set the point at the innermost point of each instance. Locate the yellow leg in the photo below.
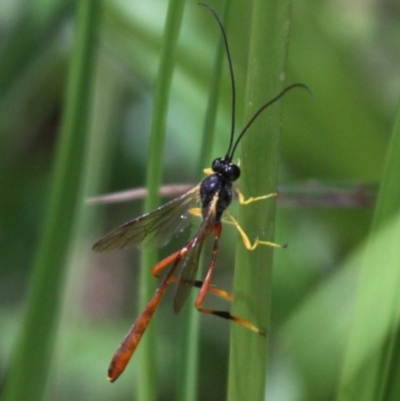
(208, 171)
(244, 201)
(231, 220)
(195, 211)
(245, 238)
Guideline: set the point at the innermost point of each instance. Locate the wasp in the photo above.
(214, 195)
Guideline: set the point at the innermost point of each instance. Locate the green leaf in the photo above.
(31, 360)
(373, 348)
(259, 162)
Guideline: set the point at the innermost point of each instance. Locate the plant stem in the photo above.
(259, 163)
(374, 352)
(191, 334)
(31, 361)
(146, 351)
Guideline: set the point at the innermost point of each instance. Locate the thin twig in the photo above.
(302, 194)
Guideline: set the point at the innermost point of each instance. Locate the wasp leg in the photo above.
(245, 238)
(195, 211)
(244, 201)
(208, 171)
(128, 346)
(218, 292)
(231, 220)
(198, 283)
(206, 287)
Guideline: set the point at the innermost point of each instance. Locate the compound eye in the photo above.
(232, 172)
(217, 165)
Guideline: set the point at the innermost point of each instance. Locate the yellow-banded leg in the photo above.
(206, 287)
(128, 346)
(198, 283)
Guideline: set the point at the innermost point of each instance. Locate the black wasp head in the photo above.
(225, 167)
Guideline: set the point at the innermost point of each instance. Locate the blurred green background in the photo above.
(346, 52)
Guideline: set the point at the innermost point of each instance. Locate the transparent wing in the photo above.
(190, 262)
(157, 226)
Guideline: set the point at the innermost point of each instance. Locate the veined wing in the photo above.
(157, 226)
(190, 262)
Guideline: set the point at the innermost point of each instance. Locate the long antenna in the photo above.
(261, 109)
(231, 74)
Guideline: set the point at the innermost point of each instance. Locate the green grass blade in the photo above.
(389, 195)
(191, 333)
(259, 161)
(31, 361)
(373, 354)
(146, 351)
